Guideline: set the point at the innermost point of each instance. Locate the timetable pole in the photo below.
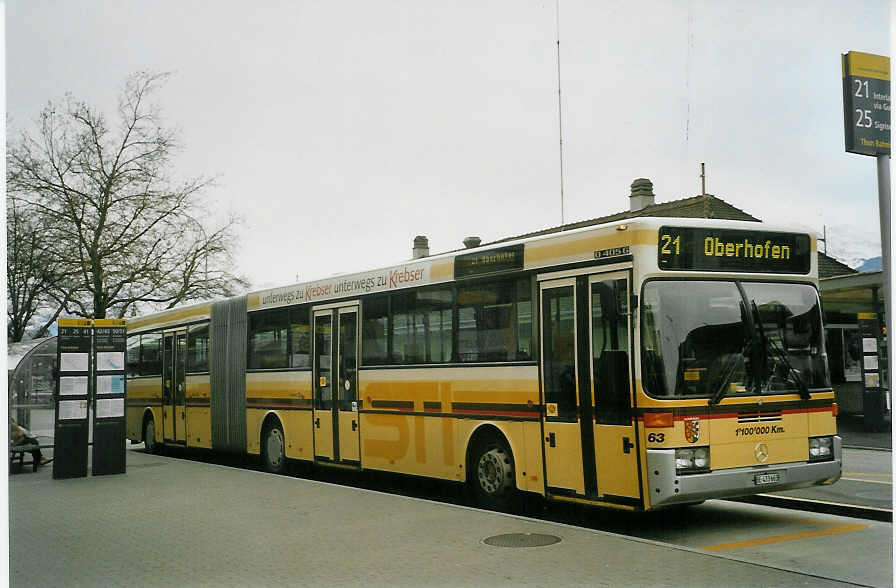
(71, 428)
(108, 384)
(883, 195)
(866, 120)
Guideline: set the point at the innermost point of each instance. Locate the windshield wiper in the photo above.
(767, 344)
(728, 370)
(782, 355)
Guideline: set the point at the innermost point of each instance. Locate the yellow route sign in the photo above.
(866, 103)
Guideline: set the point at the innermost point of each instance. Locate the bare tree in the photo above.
(37, 288)
(130, 234)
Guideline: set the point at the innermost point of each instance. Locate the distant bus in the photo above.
(636, 364)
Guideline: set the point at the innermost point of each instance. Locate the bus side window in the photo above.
(375, 331)
(267, 344)
(133, 356)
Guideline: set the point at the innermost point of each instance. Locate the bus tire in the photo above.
(273, 448)
(492, 474)
(149, 436)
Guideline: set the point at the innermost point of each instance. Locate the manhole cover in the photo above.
(521, 540)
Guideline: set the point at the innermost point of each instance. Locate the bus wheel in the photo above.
(492, 474)
(149, 436)
(272, 448)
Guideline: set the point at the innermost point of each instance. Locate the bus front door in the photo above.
(590, 445)
(562, 416)
(609, 352)
(336, 433)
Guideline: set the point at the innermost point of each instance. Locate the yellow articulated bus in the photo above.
(638, 364)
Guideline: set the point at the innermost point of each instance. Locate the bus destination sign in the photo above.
(492, 261)
(866, 103)
(732, 250)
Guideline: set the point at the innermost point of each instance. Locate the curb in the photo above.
(867, 448)
(821, 506)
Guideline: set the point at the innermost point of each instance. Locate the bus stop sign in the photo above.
(866, 103)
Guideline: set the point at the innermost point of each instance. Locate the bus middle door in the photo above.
(336, 424)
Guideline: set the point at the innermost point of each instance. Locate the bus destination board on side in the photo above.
(730, 250)
(493, 261)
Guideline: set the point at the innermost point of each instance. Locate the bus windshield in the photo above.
(720, 338)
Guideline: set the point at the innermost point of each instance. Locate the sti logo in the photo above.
(692, 430)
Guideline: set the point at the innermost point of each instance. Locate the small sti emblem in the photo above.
(692, 430)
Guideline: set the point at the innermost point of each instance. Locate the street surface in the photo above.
(867, 481)
(819, 546)
(183, 519)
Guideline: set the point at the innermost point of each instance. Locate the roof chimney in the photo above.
(642, 194)
(471, 242)
(421, 247)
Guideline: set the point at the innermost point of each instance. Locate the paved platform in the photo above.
(185, 523)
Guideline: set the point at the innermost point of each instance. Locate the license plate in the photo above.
(767, 478)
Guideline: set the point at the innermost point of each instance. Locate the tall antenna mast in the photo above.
(703, 190)
(703, 179)
(560, 119)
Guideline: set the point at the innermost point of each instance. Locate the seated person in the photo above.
(20, 436)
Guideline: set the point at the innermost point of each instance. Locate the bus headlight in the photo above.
(821, 448)
(689, 460)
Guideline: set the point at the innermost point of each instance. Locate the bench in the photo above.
(17, 455)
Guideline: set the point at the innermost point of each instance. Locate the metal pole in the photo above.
(883, 194)
(560, 121)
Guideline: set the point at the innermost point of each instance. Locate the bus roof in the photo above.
(541, 251)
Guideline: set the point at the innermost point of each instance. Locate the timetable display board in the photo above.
(733, 250)
(109, 346)
(866, 103)
(72, 429)
(875, 399)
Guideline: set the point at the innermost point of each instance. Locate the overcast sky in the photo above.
(340, 130)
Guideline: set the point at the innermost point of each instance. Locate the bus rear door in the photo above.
(174, 382)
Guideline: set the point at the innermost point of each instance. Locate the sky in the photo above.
(340, 130)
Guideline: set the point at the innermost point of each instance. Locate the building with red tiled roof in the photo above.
(642, 203)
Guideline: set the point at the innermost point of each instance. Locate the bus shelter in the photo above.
(846, 298)
(31, 382)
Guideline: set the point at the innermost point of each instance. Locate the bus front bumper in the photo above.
(668, 488)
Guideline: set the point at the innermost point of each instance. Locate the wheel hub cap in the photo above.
(275, 447)
(491, 472)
